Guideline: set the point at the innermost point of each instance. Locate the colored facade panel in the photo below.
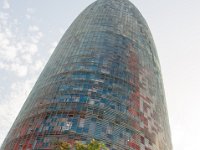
(103, 81)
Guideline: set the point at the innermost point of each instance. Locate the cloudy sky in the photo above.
(30, 30)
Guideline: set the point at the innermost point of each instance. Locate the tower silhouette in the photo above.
(103, 81)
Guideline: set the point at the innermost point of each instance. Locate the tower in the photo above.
(103, 81)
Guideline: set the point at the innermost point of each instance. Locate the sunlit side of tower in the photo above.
(103, 81)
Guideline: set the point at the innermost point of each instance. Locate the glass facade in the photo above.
(103, 81)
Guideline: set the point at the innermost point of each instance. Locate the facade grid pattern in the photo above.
(103, 81)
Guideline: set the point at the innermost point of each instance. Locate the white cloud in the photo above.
(39, 65)
(53, 46)
(27, 58)
(3, 16)
(21, 70)
(29, 13)
(62, 31)
(31, 48)
(35, 39)
(30, 10)
(28, 16)
(36, 68)
(33, 28)
(4, 66)
(17, 52)
(6, 4)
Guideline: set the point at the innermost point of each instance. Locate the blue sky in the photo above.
(30, 30)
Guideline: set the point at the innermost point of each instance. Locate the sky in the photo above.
(30, 30)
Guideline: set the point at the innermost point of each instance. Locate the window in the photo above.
(81, 123)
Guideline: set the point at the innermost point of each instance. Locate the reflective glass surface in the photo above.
(103, 81)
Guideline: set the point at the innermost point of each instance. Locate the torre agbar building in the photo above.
(103, 82)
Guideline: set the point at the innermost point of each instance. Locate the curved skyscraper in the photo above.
(103, 81)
